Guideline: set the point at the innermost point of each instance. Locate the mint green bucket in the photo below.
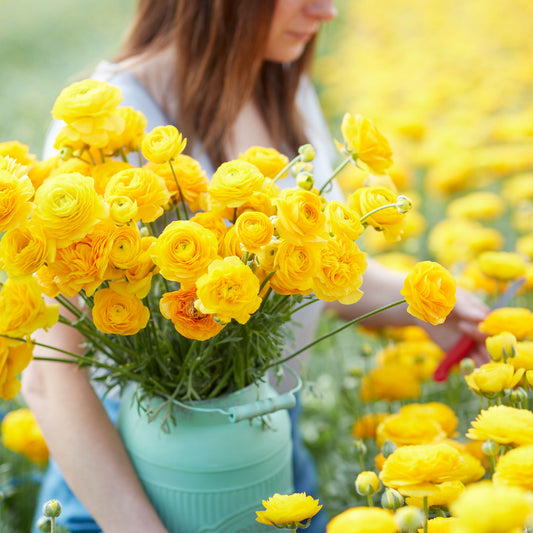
(210, 473)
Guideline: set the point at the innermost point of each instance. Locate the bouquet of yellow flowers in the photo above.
(183, 284)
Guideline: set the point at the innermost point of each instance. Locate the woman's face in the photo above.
(294, 24)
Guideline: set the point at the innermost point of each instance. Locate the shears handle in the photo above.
(458, 352)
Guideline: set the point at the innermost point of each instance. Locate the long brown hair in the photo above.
(219, 67)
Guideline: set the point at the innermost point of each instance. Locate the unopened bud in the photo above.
(367, 483)
(409, 518)
(305, 181)
(44, 524)
(518, 395)
(391, 499)
(52, 509)
(356, 372)
(307, 152)
(467, 365)
(65, 152)
(403, 204)
(359, 447)
(490, 448)
(388, 448)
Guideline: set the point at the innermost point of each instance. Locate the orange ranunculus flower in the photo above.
(119, 314)
(122, 210)
(89, 107)
(47, 283)
(130, 139)
(365, 426)
(404, 429)
(14, 358)
(366, 143)
(254, 230)
(300, 216)
(269, 161)
(392, 382)
(340, 275)
(440, 412)
(16, 191)
(23, 251)
(503, 266)
(363, 520)
(295, 267)
(184, 251)
(503, 424)
(126, 247)
(190, 178)
(429, 290)
(23, 309)
(178, 306)
(343, 221)
(229, 290)
(142, 186)
(515, 320)
(163, 144)
(103, 172)
(389, 220)
(21, 434)
(492, 378)
(233, 183)
(67, 207)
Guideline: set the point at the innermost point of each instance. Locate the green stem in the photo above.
(369, 500)
(178, 214)
(286, 168)
(380, 208)
(426, 513)
(102, 155)
(335, 331)
(335, 172)
(53, 525)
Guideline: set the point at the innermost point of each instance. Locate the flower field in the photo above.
(449, 86)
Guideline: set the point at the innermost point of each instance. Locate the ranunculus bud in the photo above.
(490, 448)
(367, 483)
(305, 181)
(307, 152)
(65, 153)
(518, 395)
(52, 509)
(403, 204)
(467, 365)
(359, 446)
(44, 524)
(409, 518)
(388, 448)
(391, 499)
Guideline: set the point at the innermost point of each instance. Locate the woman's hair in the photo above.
(219, 66)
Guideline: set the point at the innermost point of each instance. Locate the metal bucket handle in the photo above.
(286, 400)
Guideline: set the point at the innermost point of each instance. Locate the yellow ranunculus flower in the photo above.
(163, 144)
(515, 320)
(14, 358)
(130, 139)
(366, 143)
(18, 151)
(478, 205)
(429, 290)
(288, 510)
(47, 283)
(269, 161)
(21, 434)
(363, 520)
(40, 170)
(103, 172)
(16, 191)
(67, 207)
(126, 247)
(504, 425)
(254, 230)
(23, 309)
(119, 314)
(214, 222)
(515, 468)
(447, 492)
(406, 429)
(143, 187)
(229, 290)
(233, 183)
(231, 245)
(441, 413)
(504, 266)
(392, 382)
(365, 426)
(266, 257)
(122, 210)
(440, 524)
(341, 273)
(190, 178)
(343, 221)
(485, 507)
(140, 276)
(89, 109)
(394, 260)
(417, 470)
(178, 306)
(295, 267)
(184, 250)
(300, 216)
(389, 220)
(501, 346)
(524, 355)
(23, 251)
(492, 378)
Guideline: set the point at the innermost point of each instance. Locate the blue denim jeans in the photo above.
(77, 519)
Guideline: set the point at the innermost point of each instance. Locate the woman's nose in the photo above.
(322, 10)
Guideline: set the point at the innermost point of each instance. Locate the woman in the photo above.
(231, 75)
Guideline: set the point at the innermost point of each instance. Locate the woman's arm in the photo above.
(83, 440)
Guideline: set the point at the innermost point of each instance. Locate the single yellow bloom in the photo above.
(515, 320)
(447, 492)
(363, 520)
(503, 266)
(501, 346)
(407, 428)
(479, 205)
(392, 382)
(163, 144)
(440, 412)
(492, 378)
(516, 468)
(288, 510)
(269, 161)
(254, 230)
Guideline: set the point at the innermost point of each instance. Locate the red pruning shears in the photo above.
(463, 346)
